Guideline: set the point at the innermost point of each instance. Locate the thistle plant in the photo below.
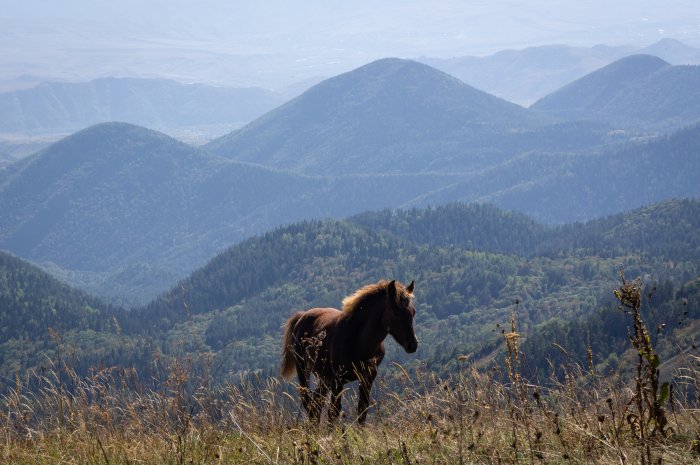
(649, 422)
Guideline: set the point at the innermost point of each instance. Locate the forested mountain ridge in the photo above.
(600, 86)
(483, 227)
(524, 76)
(488, 228)
(471, 227)
(240, 299)
(32, 301)
(125, 212)
(670, 311)
(127, 206)
(390, 116)
(598, 184)
(563, 188)
(665, 229)
(636, 91)
(37, 311)
(233, 307)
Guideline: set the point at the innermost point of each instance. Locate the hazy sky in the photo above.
(96, 37)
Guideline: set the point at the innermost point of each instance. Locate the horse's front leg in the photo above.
(366, 379)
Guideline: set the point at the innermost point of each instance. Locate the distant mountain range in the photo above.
(32, 118)
(636, 91)
(155, 103)
(527, 75)
(124, 211)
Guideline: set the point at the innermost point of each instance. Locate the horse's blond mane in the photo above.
(351, 302)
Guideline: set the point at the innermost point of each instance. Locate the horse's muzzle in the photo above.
(412, 346)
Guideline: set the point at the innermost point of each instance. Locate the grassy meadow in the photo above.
(477, 415)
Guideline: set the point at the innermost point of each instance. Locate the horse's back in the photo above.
(314, 321)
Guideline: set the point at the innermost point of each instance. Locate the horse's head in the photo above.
(398, 316)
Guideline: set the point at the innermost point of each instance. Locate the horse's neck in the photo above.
(366, 324)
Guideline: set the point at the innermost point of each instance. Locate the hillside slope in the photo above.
(563, 188)
(124, 212)
(124, 204)
(524, 76)
(237, 302)
(232, 308)
(37, 312)
(588, 187)
(390, 116)
(639, 90)
(487, 228)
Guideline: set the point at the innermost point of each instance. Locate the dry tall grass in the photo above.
(475, 416)
(111, 418)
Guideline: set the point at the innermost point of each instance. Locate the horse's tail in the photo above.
(288, 362)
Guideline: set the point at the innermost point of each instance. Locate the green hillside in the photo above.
(671, 312)
(236, 304)
(487, 228)
(37, 312)
(481, 227)
(124, 212)
(470, 263)
(39, 301)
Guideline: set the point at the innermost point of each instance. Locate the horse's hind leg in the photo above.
(317, 401)
(304, 391)
(312, 401)
(335, 406)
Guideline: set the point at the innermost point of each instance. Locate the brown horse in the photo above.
(340, 346)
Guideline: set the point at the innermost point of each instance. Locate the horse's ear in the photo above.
(409, 288)
(392, 289)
